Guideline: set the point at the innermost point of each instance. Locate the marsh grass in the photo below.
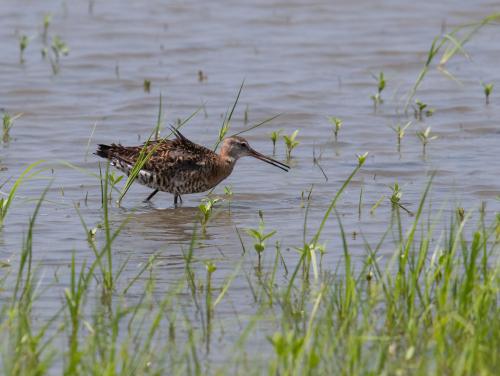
(431, 307)
(146, 154)
(450, 44)
(5, 202)
(226, 122)
(423, 298)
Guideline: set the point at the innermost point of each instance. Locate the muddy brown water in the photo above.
(304, 60)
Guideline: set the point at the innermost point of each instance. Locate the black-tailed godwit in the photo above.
(180, 166)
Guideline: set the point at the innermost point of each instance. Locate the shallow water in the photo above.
(303, 60)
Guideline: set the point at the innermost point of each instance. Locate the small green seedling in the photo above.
(395, 198)
(421, 109)
(396, 194)
(59, 48)
(377, 98)
(289, 346)
(147, 86)
(23, 44)
(337, 124)
(290, 143)
(206, 208)
(47, 19)
(400, 132)
(91, 233)
(228, 192)
(211, 268)
(260, 238)
(8, 123)
(305, 197)
(274, 137)
(425, 137)
(488, 88)
(362, 159)
(113, 181)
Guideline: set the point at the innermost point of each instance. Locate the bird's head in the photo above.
(236, 147)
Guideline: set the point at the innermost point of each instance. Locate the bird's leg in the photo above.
(151, 195)
(177, 197)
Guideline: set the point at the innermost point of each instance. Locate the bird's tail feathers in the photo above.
(103, 151)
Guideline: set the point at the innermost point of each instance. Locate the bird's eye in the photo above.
(243, 144)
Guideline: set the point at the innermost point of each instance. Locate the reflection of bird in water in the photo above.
(180, 166)
(175, 225)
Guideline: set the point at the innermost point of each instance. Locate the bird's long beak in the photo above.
(269, 160)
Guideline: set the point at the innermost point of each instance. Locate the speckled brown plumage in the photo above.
(180, 166)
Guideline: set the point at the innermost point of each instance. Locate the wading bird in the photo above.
(180, 166)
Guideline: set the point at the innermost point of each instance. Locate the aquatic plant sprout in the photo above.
(291, 143)
(488, 89)
(337, 124)
(47, 19)
(58, 49)
(425, 137)
(7, 124)
(274, 138)
(23, 44)
(400, 131)
(421, 108)
(260, 238)
(377, 98)
(206, 208)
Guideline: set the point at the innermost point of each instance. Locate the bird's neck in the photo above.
(226, 159)
(223, 169)
(227, 163)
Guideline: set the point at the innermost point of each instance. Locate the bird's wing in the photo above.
(165, 154)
